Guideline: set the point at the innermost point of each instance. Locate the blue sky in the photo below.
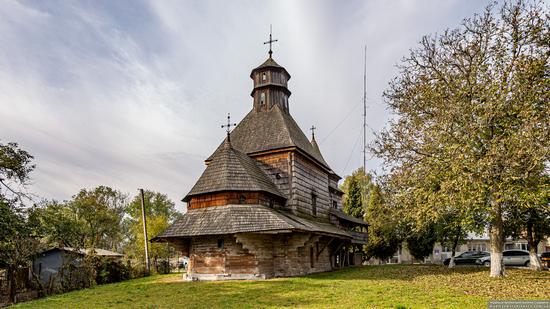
(132, 94)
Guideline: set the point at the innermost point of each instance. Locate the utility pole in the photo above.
(145, 239)
(365, 114)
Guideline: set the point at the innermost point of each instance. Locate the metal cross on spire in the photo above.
(270, 41)
(228, 126)
(312, 132)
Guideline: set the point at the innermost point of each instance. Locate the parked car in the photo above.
(467, 258)
(510, 258)
(545, 259)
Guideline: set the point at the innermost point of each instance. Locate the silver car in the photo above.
(510, 258)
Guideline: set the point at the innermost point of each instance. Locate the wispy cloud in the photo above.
(131, 94)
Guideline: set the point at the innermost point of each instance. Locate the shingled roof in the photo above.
(270, 130)
(232, 170)
(231, 219)
(341, 215)
(269, 63)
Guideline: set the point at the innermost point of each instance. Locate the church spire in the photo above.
(270, 83)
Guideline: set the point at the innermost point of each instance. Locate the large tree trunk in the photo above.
(452, 261)
(497, 241)
(453, 250)
(534, 261)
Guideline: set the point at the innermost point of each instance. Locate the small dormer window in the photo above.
(262, 98)
(264, 77)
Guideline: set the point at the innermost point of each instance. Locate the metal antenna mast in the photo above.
(365, 114)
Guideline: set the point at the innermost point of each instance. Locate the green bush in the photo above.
(110, 270)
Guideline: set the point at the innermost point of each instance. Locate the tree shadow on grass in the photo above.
(396, 272)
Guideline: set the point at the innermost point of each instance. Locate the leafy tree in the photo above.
(100, 212)
(58, 224)
(15, 168)
(472, 127)
(91, 219)
(421, 243)
(451, 231)
(160, 212)
(16, 242)
(384, 238)
(355, 189)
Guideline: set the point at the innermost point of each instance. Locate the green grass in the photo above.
(396, 286)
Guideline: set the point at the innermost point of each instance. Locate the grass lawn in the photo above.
(365, 287)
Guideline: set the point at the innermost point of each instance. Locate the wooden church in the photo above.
(268, 204)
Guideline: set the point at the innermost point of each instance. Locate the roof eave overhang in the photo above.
(189, 196)
(270, 67)
(349, 218)
(271, 85)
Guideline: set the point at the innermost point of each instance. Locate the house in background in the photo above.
(473, 243)
(49, 264)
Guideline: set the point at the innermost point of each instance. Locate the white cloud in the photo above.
(133, 96)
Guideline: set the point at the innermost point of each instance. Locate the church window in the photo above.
(262, 98)
(242, 199)
(264, 77)
(313, 204)
(334, 204)
(221, 243)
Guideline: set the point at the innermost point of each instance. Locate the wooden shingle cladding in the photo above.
(277, 167)
(308, 179)
(230, 219)
(268, 131)
(235, 197)
(232, 171)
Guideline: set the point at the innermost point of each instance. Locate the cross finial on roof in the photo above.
(228, 126)
(270, 41)
(312, 132)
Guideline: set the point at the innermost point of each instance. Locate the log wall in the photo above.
(259, 255)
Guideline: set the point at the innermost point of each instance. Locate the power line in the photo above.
(353, 150)
(340, 123)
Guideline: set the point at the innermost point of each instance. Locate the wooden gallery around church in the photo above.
(268, 204)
